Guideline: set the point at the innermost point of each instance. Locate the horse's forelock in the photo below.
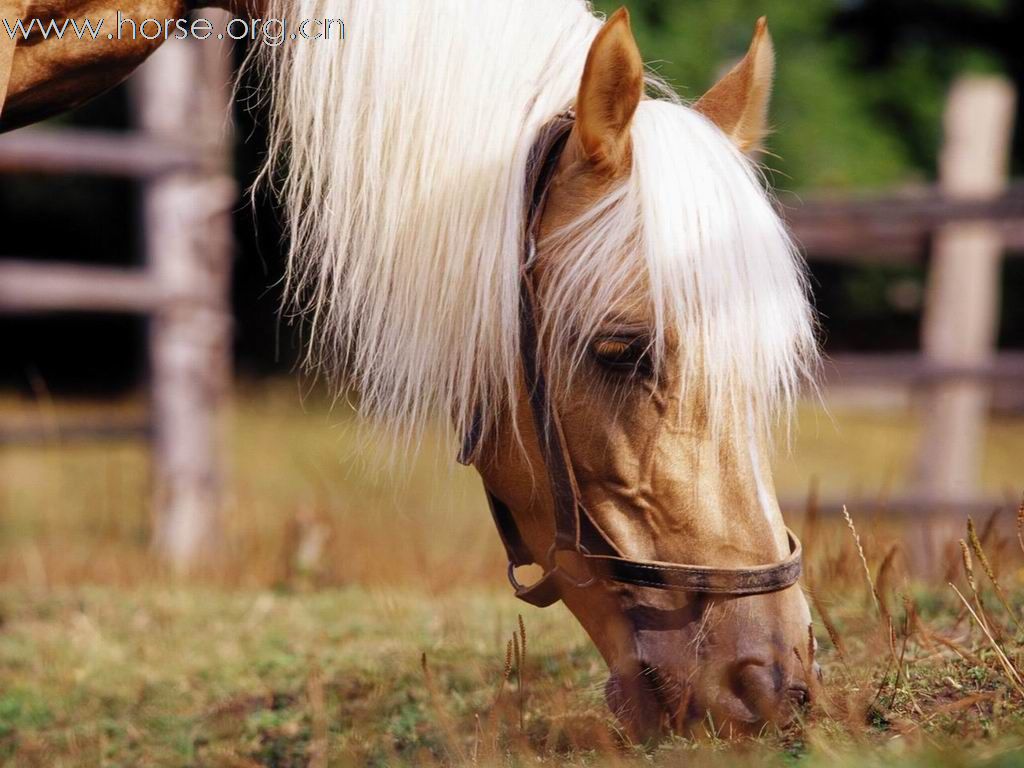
(694, 232)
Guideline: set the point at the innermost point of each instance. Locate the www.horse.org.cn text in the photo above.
(271, 32)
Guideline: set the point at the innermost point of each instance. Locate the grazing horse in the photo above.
(497, 216)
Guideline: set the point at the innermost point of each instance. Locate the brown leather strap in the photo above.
(704, 579)
(597, 557)
(673, 577)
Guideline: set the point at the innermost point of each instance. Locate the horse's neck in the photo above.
(10, 12)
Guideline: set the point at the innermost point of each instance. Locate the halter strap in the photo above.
(576, 532)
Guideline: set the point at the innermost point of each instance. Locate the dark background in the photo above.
(858, 106)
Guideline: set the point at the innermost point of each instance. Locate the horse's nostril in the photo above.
(799, 695)
(768, 689)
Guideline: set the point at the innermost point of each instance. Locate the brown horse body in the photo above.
(48, 76)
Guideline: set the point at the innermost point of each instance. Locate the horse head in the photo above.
(652, 228)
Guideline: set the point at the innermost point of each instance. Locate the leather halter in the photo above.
(576, 533)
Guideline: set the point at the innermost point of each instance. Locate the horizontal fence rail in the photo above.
(900, 506)
(910, 368)
(95, 153)
(896, 228)
(76, 430)
(39, 286)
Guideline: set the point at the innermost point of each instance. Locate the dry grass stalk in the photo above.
(451, 737)
(811, 645)
(972, 535)
(318, 720)
(506, 673)
(908, 630)
(968, 566)
(810, 528)
(521, 671)
(1011, 673)
(863, 558)
(813, 681)
(961, 704)
(478, 738)
(1020, 525)
(973, 584)
(517, 656)
(884, 576)
(492, 715)
(808, 662)
(952, 645)
(952, 569)
(989, 529)
(830, 627)
(914, 627)
(897, 658)
(885, 676)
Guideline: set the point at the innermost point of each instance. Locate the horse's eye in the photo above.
(622, 354)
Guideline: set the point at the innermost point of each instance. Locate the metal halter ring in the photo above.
(555, 568)
(516, 584)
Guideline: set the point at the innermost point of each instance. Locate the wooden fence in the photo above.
(962, 227)
(179, 156)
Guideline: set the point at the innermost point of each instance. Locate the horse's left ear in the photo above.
(738, 103)
(612, 86)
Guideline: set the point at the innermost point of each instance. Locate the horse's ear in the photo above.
(738, 103)
(612, 86)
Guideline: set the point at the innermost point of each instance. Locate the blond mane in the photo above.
(400, 157)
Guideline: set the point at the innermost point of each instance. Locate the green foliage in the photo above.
(860, 83)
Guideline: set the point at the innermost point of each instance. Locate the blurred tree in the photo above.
(826, 134)
(860, 83)
(910, 50)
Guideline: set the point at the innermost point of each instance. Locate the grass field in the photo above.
(331, 634)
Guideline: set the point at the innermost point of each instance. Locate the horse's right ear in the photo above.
(612, 86)
(738, 103)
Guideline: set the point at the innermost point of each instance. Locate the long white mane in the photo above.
(401, 155)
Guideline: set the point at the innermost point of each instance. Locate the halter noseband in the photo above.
(575, 530)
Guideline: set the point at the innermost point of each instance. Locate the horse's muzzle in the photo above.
(737, 699)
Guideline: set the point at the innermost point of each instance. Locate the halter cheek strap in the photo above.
(576, 532)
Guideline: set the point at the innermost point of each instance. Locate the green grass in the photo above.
(176, 676)
(363, 652)
(193, 676)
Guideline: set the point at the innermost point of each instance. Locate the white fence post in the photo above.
(962, 307)
(183, 98)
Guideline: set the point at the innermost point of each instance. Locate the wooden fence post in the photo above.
(183, 98)
(962, 306)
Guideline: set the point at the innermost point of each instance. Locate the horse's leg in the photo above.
(45, 77)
